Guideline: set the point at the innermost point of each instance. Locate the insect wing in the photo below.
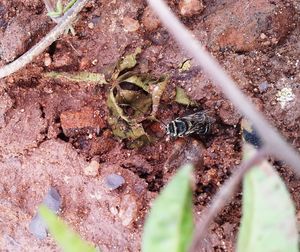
(199, 123)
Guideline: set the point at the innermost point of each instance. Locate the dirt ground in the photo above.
(55, 132)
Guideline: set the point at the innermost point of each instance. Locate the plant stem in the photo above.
(69, 5)
(59, 29)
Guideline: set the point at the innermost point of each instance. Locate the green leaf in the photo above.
(69, 5)
(114, 107)
(182, 98)
(123, 130)
(53, 14)
(169, 225)
(67, 239)
(141, 105)
(269, 221)
(59, 7)
(129, 61)
(78, 77)
(137, 81)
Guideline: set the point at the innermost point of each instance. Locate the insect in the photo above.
(197, 123)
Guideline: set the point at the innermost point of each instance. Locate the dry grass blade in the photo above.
(276, 144)
(27, 57)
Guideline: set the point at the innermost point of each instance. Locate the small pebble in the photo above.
(114, 181)
(47, 60)
(274, 41)
(190, 7)
(130, 24)
(53, 200)
(150, 20)
(114, 210)
(10, 80)
(37, 226)
(94, 62)
(263, 36)
(91, 25)
(92, 169)
(263, 86)
(273, 103)
(128, 210)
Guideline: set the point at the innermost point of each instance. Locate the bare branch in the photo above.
(59, 29)
(277, 145)
(222, 197)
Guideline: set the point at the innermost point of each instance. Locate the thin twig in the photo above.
(271, 138)
(224, 194)
(59, 29)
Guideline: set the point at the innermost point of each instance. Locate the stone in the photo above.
(263, 86)
(92, 169)
(47, 60)
(37, 225)
(128, 210)
(242, 25)
(86, 119)
(114, 181)
(130, 24)
(53, 200)
(149, 20)
(189, 8)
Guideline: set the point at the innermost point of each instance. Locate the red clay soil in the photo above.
(55, 132)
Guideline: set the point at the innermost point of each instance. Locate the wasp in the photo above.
(198, 123)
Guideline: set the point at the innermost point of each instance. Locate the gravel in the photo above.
(114, 181)
(37, 226)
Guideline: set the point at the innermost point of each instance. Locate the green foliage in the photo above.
(59, 11)
(269, 221)
(64, 236)
(69, 5)
(157, 91)
(169, 225)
